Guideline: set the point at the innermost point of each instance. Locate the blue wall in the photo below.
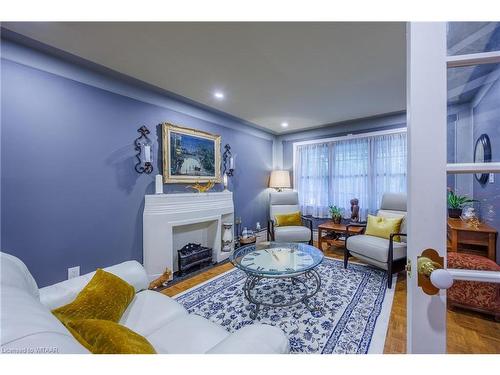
(486, 115)
(69, 193)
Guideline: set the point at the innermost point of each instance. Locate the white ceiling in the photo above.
(307, 74)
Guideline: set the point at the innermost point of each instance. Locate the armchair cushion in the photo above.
(375, 247)
(292, 234)
(286, 220)
(382, 227)
(283, 203)
(396, 214)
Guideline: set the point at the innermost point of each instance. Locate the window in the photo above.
(363, 167)
(312, 175)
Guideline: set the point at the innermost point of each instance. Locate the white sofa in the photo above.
(28, 326)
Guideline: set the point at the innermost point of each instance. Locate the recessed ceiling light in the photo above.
(284, 124)
(219, 95)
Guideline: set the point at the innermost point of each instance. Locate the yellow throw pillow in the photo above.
(106, 296)
(106, 337)
(379, 226)
(286, 220)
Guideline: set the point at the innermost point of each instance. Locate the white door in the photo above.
(428, 67)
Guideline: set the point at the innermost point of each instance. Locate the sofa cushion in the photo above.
(292, 234)
(375, 247)
(105, 297)
(25, 324)
(254, 339)
(187, 334)
(15, 274)
(151, 310)
(107, 337)
(64, 292)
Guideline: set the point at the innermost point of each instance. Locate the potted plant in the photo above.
(336, 213)
(456, 203)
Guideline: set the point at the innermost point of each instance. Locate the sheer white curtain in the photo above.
(389, 164)
(312, 178)
(350, 174)
(335, 172)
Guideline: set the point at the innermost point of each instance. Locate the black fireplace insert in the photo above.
(193, 256)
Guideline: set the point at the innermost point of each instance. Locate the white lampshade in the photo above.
(279, 179)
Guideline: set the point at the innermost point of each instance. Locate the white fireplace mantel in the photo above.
(169, 220)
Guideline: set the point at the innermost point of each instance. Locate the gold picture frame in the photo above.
(194, 157)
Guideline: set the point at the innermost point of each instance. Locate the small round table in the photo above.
(279, 274)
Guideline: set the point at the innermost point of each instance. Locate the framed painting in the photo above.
(190, 155)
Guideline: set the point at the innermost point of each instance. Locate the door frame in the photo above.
(426, 122)
(427, 64)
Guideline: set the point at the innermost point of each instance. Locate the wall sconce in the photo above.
(144, 148)
(228, 161)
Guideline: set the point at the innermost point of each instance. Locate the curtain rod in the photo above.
(350, 136)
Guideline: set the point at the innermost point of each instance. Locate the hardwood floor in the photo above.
(468, 332)
(195, 280)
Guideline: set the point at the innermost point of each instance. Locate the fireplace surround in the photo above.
(170, 221)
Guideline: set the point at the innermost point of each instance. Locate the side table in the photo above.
(330, 232)
(485, 236)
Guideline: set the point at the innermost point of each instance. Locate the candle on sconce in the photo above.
(224, 180)
(231, 163)
(159, 184)
(147, 153)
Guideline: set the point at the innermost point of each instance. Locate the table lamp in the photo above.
(279, 180)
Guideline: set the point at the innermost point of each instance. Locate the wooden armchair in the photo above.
(387, 254)
(283, 203)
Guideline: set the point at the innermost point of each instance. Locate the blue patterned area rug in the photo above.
(353, 309)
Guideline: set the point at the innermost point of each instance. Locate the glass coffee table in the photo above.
(279, 274)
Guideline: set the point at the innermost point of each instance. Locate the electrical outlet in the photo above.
(492, 178)
(73, 272)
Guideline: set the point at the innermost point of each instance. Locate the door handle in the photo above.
(427, 264)
(432, 276)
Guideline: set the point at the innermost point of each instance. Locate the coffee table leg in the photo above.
(250, 283)
(320, 242)
(255, 304)
(255, 311)
(312, 274)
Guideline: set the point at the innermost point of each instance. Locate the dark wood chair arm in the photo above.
(390, 254)
(270, 230)
(348, 234)
(392, 235)
(309, 222)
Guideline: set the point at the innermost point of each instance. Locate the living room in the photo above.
(242, 188)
